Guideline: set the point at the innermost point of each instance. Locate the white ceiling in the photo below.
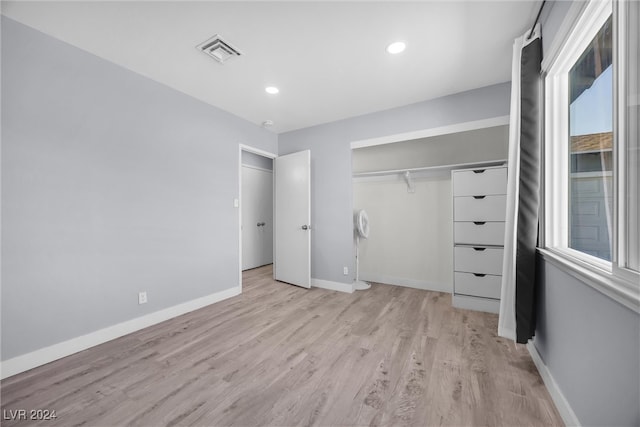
(327, 58)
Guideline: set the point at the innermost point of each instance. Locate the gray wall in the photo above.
(589, 342)
(111, 184)
(551, 19)
(331, 188)
(591, 345)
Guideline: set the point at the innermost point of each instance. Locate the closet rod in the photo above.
(487, 163)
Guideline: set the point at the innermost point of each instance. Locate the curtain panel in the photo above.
(517, 304)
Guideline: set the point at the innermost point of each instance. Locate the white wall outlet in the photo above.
(236, 203)
(345, 270)
(142, 297)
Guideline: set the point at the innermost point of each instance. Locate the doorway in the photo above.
(274, 214)
(256, 204)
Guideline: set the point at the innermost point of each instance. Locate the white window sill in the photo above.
(616, 288)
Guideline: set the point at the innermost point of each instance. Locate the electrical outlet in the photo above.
(236, 203)
(142, 297)
(345, 271)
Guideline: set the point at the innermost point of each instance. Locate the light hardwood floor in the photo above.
(282, 355)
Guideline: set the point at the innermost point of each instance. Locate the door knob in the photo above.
(261, 224)
(306, 227)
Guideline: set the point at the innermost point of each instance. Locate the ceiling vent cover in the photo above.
(218, 49)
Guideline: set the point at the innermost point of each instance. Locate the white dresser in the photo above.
(479, 208)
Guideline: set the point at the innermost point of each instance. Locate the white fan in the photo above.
(362, 231)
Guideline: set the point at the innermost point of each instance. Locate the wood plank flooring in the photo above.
(283, 356)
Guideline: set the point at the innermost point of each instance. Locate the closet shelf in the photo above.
(438, 168)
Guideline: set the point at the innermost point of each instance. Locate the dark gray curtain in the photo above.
(529, 189)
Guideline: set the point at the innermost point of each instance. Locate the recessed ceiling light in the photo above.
(396, 47)
(272, 90)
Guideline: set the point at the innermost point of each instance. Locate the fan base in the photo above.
(359, 285)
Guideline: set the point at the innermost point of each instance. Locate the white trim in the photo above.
(333, 286)
(248, 148)
(618, 239)
(258, 151)
(562, 404)
(567, 26)
(45, 355)
(593, 16)
(614, 287)
(623, 221)
(556, 161)
(409, 283)
(425, 133)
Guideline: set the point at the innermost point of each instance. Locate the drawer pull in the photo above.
(479, 170)
(479, 197)
(479, 249)
(479, 222)
(479, 275)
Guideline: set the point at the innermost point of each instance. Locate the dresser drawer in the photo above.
(478, 182)
(487, 285)
(481, 260)
(480, 208)
(479, 233)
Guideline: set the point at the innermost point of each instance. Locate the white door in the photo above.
(293, 217)
(257, 217)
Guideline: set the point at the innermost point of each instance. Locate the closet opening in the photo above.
(405, 186)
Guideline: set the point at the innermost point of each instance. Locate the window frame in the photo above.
(620, 93)
(611, 278)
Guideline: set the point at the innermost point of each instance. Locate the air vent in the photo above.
(218, 49)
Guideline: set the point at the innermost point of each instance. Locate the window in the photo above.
(590, 146)
(591, 200)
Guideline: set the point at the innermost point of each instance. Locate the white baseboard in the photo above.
(466, 302)
(410, 283)
(45, 355)
(568, 416)
(333, 286)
